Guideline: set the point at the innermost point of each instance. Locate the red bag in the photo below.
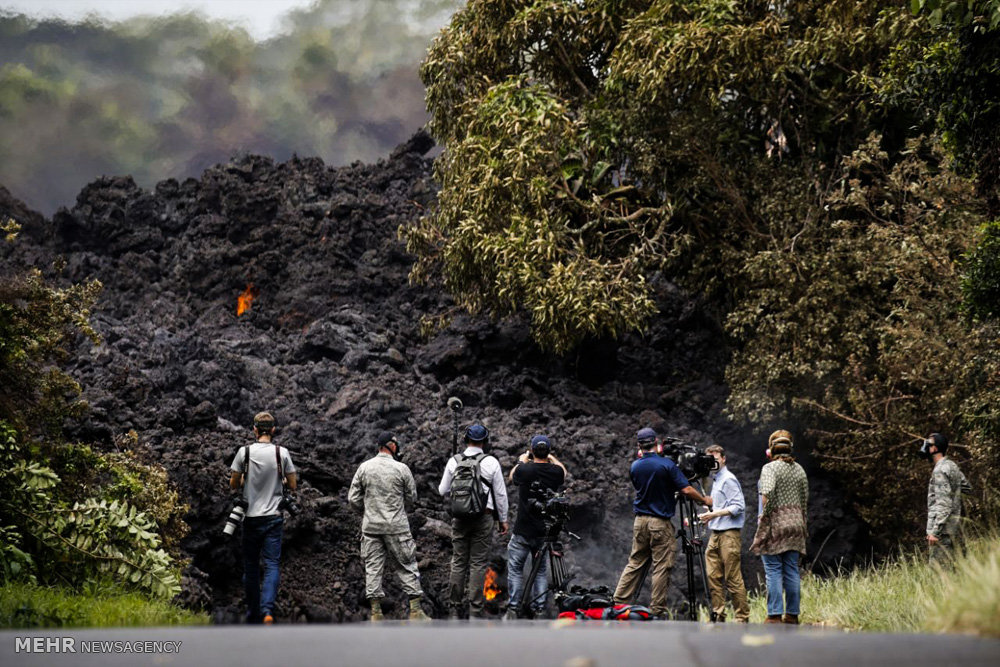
(618, 612)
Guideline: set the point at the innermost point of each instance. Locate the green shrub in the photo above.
(81, 543)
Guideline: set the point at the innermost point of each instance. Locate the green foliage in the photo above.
(10, 229)
(69, 513)
(953, 78)
(859, 329)
(30, 606)
(89, 540)
(981, 279)
(36, 322)
(982, 14)
(774, 157)
(616, 139)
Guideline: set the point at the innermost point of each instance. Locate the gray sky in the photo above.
(261, 18)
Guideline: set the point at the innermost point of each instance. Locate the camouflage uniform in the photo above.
(944, 507)
(385, 490)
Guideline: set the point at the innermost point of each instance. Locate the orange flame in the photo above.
(490, 588)
(244, 300)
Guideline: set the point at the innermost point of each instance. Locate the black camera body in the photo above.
(552, 505)
(692, 460)
(289, 504)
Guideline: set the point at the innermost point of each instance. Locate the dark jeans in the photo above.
(261, 542)
(518, 551)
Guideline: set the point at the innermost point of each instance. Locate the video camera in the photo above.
(692, 461)
(552, 505)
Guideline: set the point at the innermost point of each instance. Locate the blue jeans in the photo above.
(518, 551)
(781, 572)
(261, 542)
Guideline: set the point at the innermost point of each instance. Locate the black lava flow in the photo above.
(331, 345)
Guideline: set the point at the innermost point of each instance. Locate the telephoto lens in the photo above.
(235, 517)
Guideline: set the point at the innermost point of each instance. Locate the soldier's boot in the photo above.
(416, 613)
(376, 604)
(791, 619)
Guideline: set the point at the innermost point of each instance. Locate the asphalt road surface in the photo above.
(513, 644)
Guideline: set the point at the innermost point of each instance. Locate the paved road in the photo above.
(517, 644)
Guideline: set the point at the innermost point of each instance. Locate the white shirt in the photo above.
(489, 468)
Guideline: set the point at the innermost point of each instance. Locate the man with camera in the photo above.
(265, 472)
(944, 498)
(656, 480)
(478, 497)
(537, 471)
(383, 488)
(722, 555)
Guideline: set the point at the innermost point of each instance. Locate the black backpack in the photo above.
(468, 500)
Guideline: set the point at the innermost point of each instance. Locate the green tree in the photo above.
(754, 152)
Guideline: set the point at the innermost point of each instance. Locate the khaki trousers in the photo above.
(653, 539)
(722, 566)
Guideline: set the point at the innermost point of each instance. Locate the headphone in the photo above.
(779, 441)
(265, 427)
(659, 449)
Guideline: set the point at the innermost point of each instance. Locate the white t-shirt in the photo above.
(262, 486)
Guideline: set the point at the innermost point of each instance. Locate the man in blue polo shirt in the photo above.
(657, 480)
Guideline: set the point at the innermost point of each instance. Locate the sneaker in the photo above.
(511, 615)
(268, 619)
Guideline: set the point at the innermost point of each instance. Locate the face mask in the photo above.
(925, 450)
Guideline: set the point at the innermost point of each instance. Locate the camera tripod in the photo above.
(553, 550)
(693, 547)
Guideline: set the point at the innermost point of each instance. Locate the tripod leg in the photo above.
(524, 606)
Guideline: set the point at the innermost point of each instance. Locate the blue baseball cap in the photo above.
(645, 435)
(477, 433)
(540, 440)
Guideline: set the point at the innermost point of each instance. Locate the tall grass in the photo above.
(27, 606)
(908, 594)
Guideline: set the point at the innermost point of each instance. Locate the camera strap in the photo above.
(280, 468)
(246, 464)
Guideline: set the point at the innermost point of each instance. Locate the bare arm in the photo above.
(235, 480)
(293, 480)
(693, 494)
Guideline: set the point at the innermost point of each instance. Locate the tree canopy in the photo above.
(779, 158)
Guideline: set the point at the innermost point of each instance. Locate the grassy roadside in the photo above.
(908, 595)
(27, 606)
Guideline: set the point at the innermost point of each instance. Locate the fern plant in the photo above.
(85, 541)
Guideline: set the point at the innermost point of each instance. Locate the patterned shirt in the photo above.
(727, 495)
(781, 526)
(384, 488)
(944, 497)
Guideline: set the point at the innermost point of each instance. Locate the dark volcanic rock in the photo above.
(331, 346)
